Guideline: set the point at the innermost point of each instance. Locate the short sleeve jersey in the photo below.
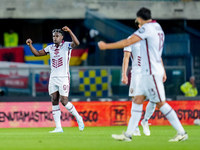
(59, 59)
(134, 49)
(153, 38)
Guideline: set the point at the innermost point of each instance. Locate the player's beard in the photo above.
(55, 42)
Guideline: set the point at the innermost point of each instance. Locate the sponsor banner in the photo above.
(187, 112)
(19, 75)
(39, 114)
(42, 80)
(14, 77)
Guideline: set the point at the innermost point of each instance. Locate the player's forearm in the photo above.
(33, 50)
(74, 38)
(118, 45)
(123, 43)
(125, 66)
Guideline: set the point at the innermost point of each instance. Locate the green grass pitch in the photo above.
(95, 138)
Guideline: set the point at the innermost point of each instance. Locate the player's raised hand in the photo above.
(29, 41)
(124, 79)
(66, 29)
(102, 45)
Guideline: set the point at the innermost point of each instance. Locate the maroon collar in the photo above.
(153, 21)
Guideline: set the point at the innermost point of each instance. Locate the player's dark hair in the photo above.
(58, 30)
(136, 25)
(144, 13)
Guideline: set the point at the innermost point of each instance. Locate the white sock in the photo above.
(136, 113)
(56, 115)
(150, 108)
(70, 107)
(172, 117)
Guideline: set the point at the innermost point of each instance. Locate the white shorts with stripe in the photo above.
(152, 87)
(134, 85)
(60, 84)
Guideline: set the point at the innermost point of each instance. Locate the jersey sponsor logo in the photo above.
(142, 30)
(57, 63)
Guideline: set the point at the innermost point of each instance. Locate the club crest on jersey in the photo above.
(56, 51)
(131, 90)
(142, 30)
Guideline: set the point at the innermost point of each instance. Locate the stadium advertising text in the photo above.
(38, 114)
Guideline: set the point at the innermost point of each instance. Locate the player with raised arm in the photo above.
(151, 81)
(59, 82)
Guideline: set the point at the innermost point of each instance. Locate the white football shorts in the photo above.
(151, 86)
(154, 88)
(134, 88)
(60, 84)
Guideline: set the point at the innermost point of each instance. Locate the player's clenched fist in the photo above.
(102, 45)
(66, 29)
(28, 41)
(164, 77)
(124, 79)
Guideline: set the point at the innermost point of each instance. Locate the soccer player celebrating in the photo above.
(59, 83)
(150, 83)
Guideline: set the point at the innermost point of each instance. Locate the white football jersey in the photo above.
(59, 59)
(134, 49)
(153, 38)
